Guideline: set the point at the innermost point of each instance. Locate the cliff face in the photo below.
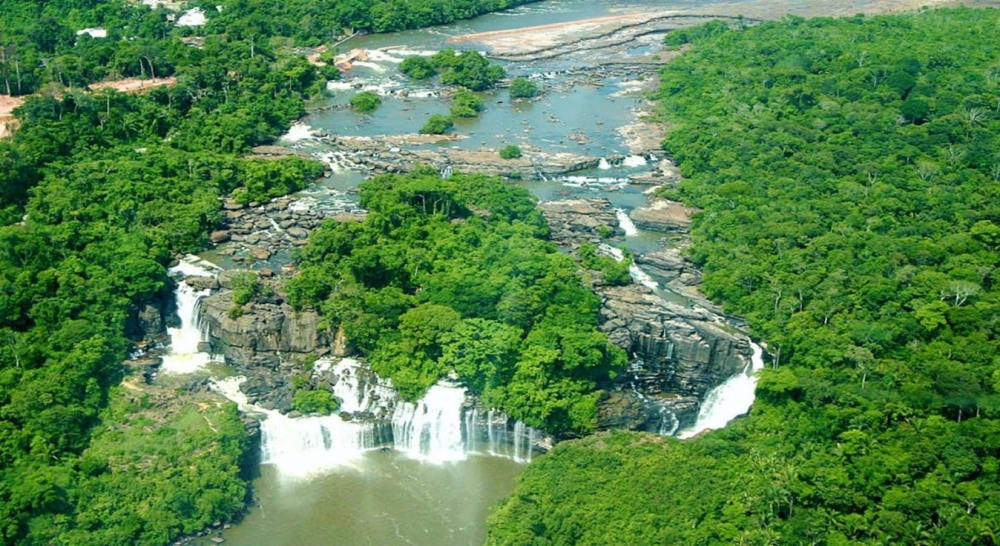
(264, 334)
(679, 350)
(680, 347)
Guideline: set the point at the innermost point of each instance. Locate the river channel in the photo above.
(386, 497)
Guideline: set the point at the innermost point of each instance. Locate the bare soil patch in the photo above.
(133, 85)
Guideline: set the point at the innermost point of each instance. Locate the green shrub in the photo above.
(319, 402)
(246, 285)
(437, 124)
(366, 102)
(468, 69)
(466, 104)
(613, 272)
(523, 88)
(510, 152)
(417, 68)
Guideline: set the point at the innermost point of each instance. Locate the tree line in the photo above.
(847, 175)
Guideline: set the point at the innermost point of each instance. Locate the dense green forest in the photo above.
(455, 274)
(39, 44)
(98, 192)
(848, 177)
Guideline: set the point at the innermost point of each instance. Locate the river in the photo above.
(386, 497)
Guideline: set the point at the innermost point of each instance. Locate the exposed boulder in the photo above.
(577, 221)
(664, 216)
(201, 283)
(261, 332)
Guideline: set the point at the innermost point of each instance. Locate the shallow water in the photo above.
(387, 499)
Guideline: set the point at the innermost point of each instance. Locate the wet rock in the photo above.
(227, 276)
(201, 283)
(298, 233)
(260, 253)
(267, 389)
(679, 352)
(666, 264)
(220, 236)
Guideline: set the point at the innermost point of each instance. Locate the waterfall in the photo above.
(498, 437)
(185, 342)
(304, 446)
(603, 164)
(431, 429)
(614, 252)
(358, 394)
(637, 274)
(309, 445)
(729, 400)
(641, 277)
(438, 428)
(668, 423)
(446, 171)
(626, 223)
(634, 161)
(297, 132)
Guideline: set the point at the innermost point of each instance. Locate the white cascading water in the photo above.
(436, 429)
(304, 446)
(431, 429)
(185, 355)
(603, 164)
(298, 132)
(626, 223)
(729, 400)
(634, 161)
(498, 437)
(668, 423)
(637, 274)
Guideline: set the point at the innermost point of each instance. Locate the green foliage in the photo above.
(418, 68)
(453, 275)
(111, 187)
(437, 124)
(246, 285)
(466, 104)
(265, 179)
(511, 151)
(366, 102)
(851, 226)
(613, 272)
(467, 69)
(523, 88)
(139, 465)
(694, 34)
(319, 402)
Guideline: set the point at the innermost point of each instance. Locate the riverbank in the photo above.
(552, 40)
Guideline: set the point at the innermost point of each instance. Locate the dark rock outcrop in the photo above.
(263, 333)
(677, 352)
(578, 221)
